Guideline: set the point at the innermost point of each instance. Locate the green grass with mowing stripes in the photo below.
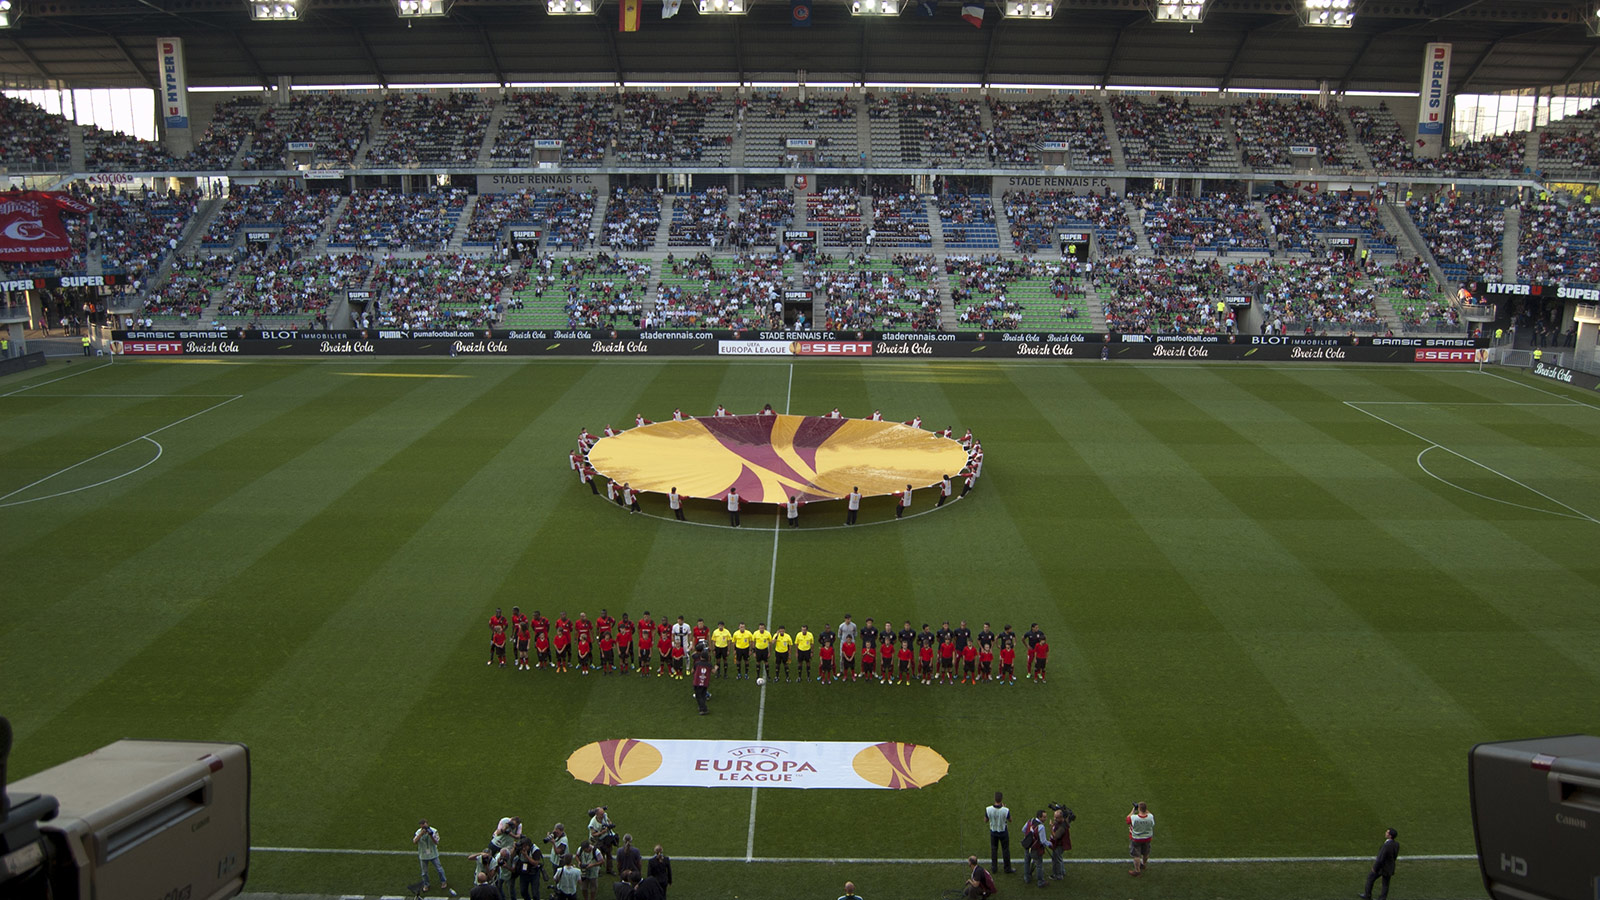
(1277, 615)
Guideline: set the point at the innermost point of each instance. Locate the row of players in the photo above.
(947, 655)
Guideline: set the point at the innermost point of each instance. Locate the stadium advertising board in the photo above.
(300, 146)
(1566, 376)
(322, 174)
(1533, 289)
(1435, 98)
(258, 235)
(548, 143)
(602, 343)
(524, 235)
(511, 182)
(62, 281)
(174, 82)
(839, 765)
(801, 143)
(1068, 184)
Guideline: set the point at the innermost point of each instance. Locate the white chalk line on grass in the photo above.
(922, 861)
(54, 380)
(1432, 444)
(143, 437)
(772, 590)
(1572, 401)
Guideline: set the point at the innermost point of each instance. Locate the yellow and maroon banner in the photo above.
(847, 765)
(628, 12)
(772, 458)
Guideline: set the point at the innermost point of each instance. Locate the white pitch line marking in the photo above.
(1432, 444)
(1117, 860)
(62, 378)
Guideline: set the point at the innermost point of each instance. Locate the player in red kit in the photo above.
(926, 663)
(585, 653)
(563, 645)
(496, 621)
(624, 644)
(825, 663)
(497, 644)
(647, 640)
(583, 626)
(847, 660)
(986, 662)
(886, 661)
(905, 662)
(1041, 654)
(869, 663)
(702, 634)
(563, 623)
(541, 629)
(677, 659)
(523, 635)
(541, 645)
(608, 653)
(517, 618)
(969, 664)
(947, 661)
(663, 650)
(1008, 661)
(603, 623)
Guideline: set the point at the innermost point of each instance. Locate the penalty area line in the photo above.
(917, 861)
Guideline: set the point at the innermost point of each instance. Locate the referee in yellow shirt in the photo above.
(781, 642)
(762, 638)
(721, 637)
(741, 650)
(804, 640)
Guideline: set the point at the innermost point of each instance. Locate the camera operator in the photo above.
(557, 839)
(602, 834)
(1060, 839)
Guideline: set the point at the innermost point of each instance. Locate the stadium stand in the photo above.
(32, 140)
(1035, 216)
(1269, 131)
(385, 219)
(282, 291)
(111, 151)
(299, 214)
(1169, 296)
(231, 124)
(899, 220)
(1190, 224)
(1174, 134)
(137, 231)
(837, 213)
(935, 131)
(1463, 233)
(632, 218)
(991, 293)
(696, 130)
(1380, 135)
(699, 219)
(763, 215)
(580, 292)
(967, 221)
(895, 294)
(1557, 242)
(1409, 287)
(1020, 128)
(718, 292)
(565, 216)
(440, 291)
(335, 125)
(1318, 297)
(585, 127)
(1299, 218)
(771, 121)
(1570, 148)
(433, 129)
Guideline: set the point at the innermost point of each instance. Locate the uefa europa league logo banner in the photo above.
(863, 765)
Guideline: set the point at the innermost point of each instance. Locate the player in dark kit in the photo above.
(986, 635)
(869, 636)
(1032, 637)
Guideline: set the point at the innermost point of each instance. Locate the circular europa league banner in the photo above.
(861, 765)
(772, 458)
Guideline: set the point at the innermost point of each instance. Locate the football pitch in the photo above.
(1284, 602)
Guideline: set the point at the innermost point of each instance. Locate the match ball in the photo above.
(761, 681)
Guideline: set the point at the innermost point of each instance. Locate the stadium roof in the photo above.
(1498, 45)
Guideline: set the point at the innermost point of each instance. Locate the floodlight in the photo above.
(422, 9)
(272, 10)
(1592, 23)
(1028, 9)
(8, 13)
(569, 7)
(875, 8)
(1329, 13)
(1182, 12)
(723, 7)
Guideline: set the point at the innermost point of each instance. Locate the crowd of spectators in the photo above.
(1465, 233)
(1173, 134)
(1021, 127)
(232, 122)
(1269, 131)
(583, 125)
(1298, 217)
(900, 295)
(1171, 296)
(943, 132)
(966, 218)
(135, 231)
(763, 215)
(1036, 215)
(1557, 242)
(657, 129)
(699, 219)
(1379, 133)
(493, 212)
(383, 219)
(301, 214)
(333, 124)
(190, 284)
(899, 219)
(701, 292)
(1185, 224)
(282, 284)
(632, 218)
(112, 151)
(441, 291)
(429, 128)
(1419, 303)
(1569, 150)
(992, 292)
(1318, 297)
(32, 139)
(837, 212)
(594, 291)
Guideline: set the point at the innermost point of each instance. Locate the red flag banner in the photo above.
(31, 227)
(628, 14)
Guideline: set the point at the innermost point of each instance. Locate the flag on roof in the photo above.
(628, 14)
(800, 13)
(972, 11)
(669, 8)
